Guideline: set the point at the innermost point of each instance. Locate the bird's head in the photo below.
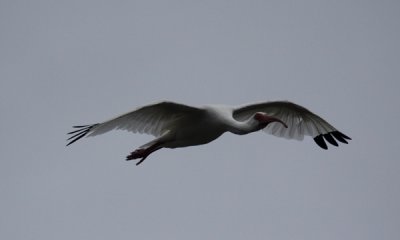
(263, 119)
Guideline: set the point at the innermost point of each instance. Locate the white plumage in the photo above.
(177, 125)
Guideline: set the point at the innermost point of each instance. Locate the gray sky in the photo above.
(64, 63)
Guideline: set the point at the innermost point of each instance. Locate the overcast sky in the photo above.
(64, 63)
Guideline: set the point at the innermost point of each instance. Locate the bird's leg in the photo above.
(141, 160)
(143, 153)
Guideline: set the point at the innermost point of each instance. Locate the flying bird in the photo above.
(178, 125)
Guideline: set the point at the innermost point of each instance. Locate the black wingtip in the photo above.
(80, 133)
(321, 142)
(340, 136)
(82, 126)
(344, 136)
(330, 137)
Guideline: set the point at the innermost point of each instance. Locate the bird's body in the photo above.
(203, 131)
(176, 125)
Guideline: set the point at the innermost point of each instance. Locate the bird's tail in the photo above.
(80, 133)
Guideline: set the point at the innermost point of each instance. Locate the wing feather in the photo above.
(300, 121)
(152, 119)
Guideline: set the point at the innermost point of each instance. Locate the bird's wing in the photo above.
(152, 119)
(300, 122)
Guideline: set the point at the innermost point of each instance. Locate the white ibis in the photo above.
(177, 125)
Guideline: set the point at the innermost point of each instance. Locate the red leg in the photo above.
(143, 153)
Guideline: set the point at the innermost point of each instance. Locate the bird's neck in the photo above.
(245, 127)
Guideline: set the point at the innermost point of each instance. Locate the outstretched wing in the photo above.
(152, 119)
(300, 122)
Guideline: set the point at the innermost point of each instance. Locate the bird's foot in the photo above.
(138, 153)
(144, 152)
